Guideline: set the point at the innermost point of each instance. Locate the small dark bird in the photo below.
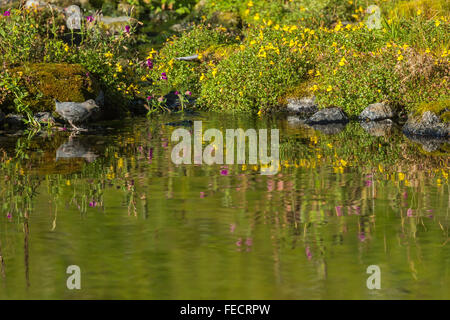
(75, 112)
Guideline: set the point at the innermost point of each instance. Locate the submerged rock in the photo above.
(15, 121)
(428, 124)
(378, 128)
(428, 144)
(330, 129)
(44, 117)
(303, 107)
(376, 112)
(328, 115)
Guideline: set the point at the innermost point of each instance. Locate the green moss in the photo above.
(441, 108)
(300, 91)
(46, 82)
(429, 8)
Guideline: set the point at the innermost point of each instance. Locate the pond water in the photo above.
(113, 203)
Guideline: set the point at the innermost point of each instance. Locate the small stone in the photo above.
(44, 117)
(428, 124)
(328, 115)
(376, 112)
(303, 107)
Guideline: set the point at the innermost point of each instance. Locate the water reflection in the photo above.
(141, 227)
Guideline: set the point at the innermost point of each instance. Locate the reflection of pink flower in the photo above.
(357, 210)
(409, 212)
(405, 195)
(308, 253)
(127, 29)
(232, 227)
(368, 183)
(361, 236)
(9, 215)
(249, 242)
(338, 211)
(202, 194)
(239, 242)
(224, 172)
(92, 204)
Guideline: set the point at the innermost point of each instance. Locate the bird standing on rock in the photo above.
(75, 112)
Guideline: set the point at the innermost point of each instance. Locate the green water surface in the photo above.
(141, 227)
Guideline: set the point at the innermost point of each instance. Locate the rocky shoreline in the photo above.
(377, 119)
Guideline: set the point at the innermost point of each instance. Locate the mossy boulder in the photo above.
(228, 19)
(46, 82)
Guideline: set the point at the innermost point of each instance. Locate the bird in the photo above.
(74, 148)
(75, 112)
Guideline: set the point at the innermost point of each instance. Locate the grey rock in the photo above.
(44, 117)
(112, 20)
(328, 115)
(376, 112)
(378, 128)
(34, 4)
(15, 121)
(179, 27)
(73, 17)
(295, 121)
(188, 58)
(74, 112)
(303, 107)
(428, 124)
